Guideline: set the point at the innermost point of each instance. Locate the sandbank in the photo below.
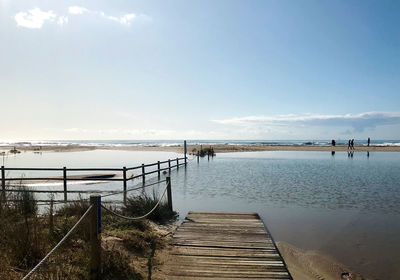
(217, 148)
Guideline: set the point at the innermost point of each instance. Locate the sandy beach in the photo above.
(310, 265)
(191, 148)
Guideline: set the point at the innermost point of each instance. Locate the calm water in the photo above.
(347, 207)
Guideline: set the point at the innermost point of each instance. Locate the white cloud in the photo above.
(62, 20)
(34, 18)
(357, 121)
(77, 10)
(125, 19)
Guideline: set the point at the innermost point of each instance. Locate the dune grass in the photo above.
(27, 235)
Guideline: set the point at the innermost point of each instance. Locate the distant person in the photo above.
(352, 144)
(369, 141)
(349, 146)
(333, 142)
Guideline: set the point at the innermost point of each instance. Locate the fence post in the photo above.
(124, 176)
(3, 181)
(143, 175)
(169, 166)
(177, 163)
(158, 167)
(185, 150)
(95, 237)
(65, 182)
(169, 193)
(198, 155)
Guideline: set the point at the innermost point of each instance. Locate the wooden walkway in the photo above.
(224, 246)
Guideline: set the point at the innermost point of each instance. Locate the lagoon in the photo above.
(343, 206)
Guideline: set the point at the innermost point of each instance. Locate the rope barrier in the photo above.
(133, 189)
(135, 218)
(58, 244)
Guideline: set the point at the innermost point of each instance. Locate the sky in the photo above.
(199, 70)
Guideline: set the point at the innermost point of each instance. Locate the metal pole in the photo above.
(177, 163)
(124, 175)
(95, 238)
(143, 175)
(198, 155)
(169, 193)
(65, 182)
(158, 168)
(169, 166)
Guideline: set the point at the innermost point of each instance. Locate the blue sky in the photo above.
(199, 69)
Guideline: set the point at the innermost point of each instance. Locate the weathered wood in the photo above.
(95, 237)
(65, 182)
(143, 175)
(185, 151)
(124, 177)
(224, 246)
(169, 193)
(3, 178)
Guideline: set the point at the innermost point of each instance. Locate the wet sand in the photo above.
(192, 148)
(310, 265)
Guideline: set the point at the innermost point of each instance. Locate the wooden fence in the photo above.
(160, 167)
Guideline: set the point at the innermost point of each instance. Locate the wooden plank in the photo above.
(211, 245)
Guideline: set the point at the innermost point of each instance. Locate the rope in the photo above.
(133, 189)
(58, 245)
(136, 218)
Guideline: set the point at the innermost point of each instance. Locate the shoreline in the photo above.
(310, 265)
(217, 148)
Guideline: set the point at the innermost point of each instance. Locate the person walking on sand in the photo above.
(369, 141)
(349, 146)
(352, 144)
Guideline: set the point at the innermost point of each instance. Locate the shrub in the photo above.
(141, 205)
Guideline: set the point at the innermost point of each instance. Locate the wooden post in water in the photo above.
(177, 163)
(124, 176)
(143, 174)
(169, 165)
(169, 193)
(198, 155)
(158, 168)
(95, 237)
(185, 151)
(65, 183)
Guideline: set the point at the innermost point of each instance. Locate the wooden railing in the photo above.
(160, 167)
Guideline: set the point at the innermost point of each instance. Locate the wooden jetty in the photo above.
(224, 246)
